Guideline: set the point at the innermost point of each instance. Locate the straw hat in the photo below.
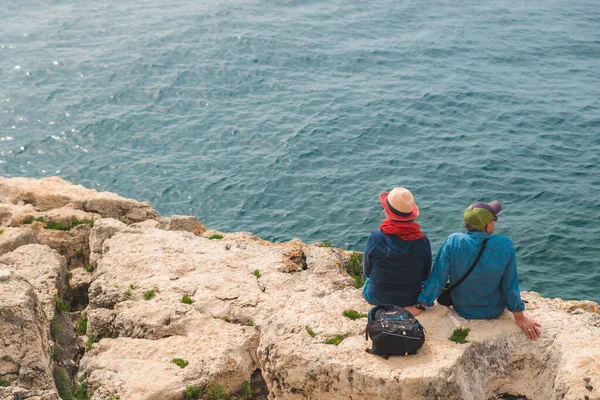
(399, 204)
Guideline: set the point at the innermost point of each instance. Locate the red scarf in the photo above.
(408, 231)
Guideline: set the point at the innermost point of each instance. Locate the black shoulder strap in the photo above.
(472, 266)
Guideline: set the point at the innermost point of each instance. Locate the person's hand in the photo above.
(413, 310)
(530, 327)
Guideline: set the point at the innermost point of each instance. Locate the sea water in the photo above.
(288, 118)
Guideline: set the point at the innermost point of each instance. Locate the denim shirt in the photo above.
(395, 268)
(489, 289)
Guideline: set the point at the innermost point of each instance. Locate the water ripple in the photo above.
(288, 119)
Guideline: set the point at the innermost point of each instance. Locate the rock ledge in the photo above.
(242, 314)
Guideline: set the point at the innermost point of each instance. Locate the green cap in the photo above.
(478, 215)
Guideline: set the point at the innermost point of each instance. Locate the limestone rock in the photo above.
(54, 192)
(102, 230)
(295, 259)
(217, 352)
(176, 263)
(151, 332)
(13, 238)
(257, 309)
(12, 214)
(43, 268)
(185, 223)
(72, 244)
(64, 229)
(149, 223)
(51, 206)
(60, 217)
(54, 228)
(245, 281)
(25, 363)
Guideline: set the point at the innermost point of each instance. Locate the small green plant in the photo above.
(250, 322)
(80, 390)
(31, 219)
(180, 362)
(354, 269)
(186, 299)
(192, 393)
(149, 294)
(128, 294)
(69, 275)
(459, 335)
(221, 318)
(79, 254)
(245, 390)
(53, 352)
(88, 268)
(61, 380)
(358, 281)
(92, 339)
(355, 264)
(55, 328)
(82, 325)
(132, 287)
(57, 226)
(327, 244)
(1, 231)
(215, 236)
(257, 274)
(115, 397)
(62, 306)
(214, 391)
(337, 339)
(75, 391)
(310, 332)
(353, 314)
(3, 382)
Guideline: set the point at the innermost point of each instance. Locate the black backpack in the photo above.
(394, 331)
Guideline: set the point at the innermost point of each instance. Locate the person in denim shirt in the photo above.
(493, 285)
(397, 256)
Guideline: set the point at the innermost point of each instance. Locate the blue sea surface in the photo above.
(288, 118)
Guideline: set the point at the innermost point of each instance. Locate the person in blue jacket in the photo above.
(397, 256)
(493, 285)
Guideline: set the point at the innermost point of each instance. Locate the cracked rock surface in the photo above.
(282, 302)
(30, 277)
(258, 312)
(54, 193)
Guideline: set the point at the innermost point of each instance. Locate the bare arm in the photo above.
(529, 326)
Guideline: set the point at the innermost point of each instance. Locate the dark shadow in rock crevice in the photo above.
(508, 396)
(65, 353)
(80, 297)
(259, 387)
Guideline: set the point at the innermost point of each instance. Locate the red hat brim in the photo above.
(413, 215)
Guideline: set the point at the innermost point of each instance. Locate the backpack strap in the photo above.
(472, 266)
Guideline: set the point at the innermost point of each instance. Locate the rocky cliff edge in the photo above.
(102, 298)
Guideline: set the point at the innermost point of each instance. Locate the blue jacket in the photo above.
(395, 268)
(489, 289)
